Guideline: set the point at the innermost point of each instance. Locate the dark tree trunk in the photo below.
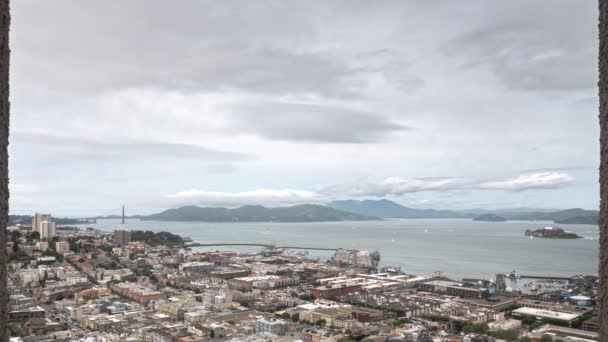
(4, 123)
(603, 88)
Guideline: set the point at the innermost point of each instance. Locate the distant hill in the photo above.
(256, 213)
(579, 220)
(389, 209)
(27, 220)
(577, 215)
(490, 218)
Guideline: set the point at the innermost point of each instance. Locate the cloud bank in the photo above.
(266, 197)
(389, 187)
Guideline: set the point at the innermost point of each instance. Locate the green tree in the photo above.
(546, 338)
(507, 335)
(31, 236)
(481, 328)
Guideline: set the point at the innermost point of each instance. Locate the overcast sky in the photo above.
(433, 104)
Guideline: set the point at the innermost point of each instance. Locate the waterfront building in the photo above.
(137, 292)
(566, 317)
(582, 301)
(453, 288)
(501, 283)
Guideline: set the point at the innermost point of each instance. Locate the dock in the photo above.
(265, 245)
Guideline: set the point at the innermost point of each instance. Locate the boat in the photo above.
(514, 275)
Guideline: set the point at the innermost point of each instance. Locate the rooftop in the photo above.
(546, 314)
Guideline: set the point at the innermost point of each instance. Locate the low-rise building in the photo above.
(453, 288)
(592, 324)
(137, 292)
(62, 247)
(541, 314)
(335, 290)
(271, 326)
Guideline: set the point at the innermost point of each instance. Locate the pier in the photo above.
(262, 245)
(543, 277)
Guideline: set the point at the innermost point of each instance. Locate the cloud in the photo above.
(262, 116)
(277, 94)
(23, 195)
(528, 47)
(541, 180)
(389, 187)
(397, 186)
(312, 123)
(62, 147)
(17, 189)
(213, 47)
(266, 197)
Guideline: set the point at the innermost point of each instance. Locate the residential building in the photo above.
(62, 247)
(42, 245)
(332, 291)
(47, 230)
(592, 324)
(122, 237)
(271, 326)
(39, 218)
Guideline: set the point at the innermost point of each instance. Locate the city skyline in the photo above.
(234, 105)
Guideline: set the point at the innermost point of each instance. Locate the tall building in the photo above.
(501, 284)
(38, 219)
(122, 237)
(48, 230)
